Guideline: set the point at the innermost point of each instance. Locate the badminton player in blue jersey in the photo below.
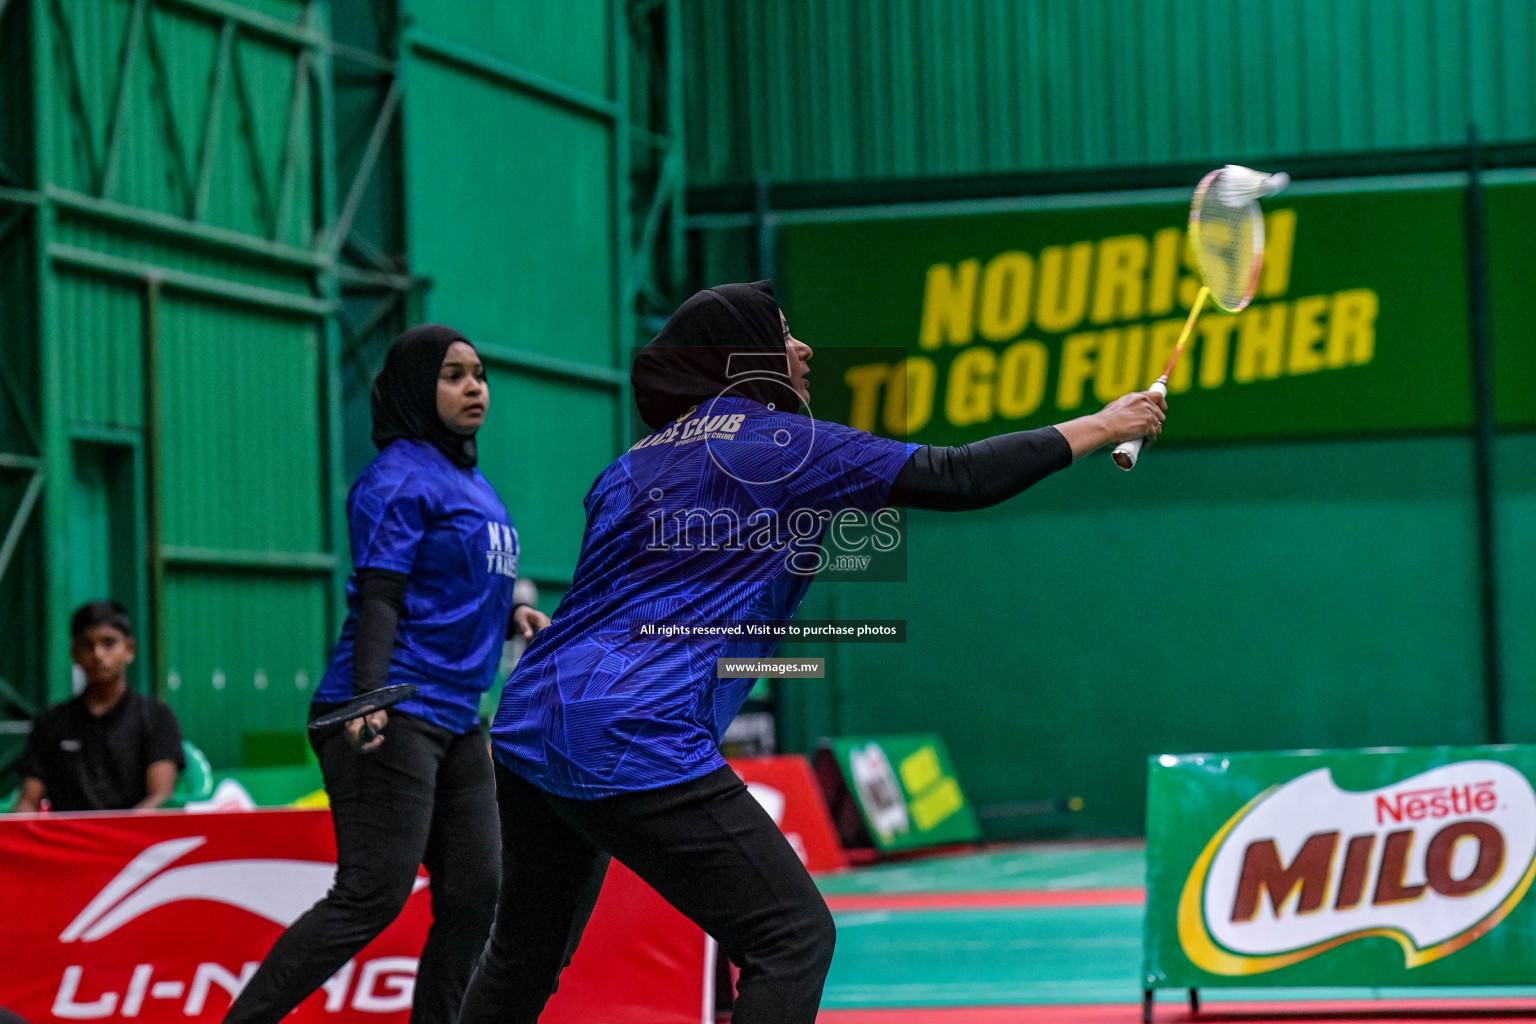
(607, 739)
(431, 604)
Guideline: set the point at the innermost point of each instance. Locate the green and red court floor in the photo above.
(1051, 934)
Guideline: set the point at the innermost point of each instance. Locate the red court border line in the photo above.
(992, 900)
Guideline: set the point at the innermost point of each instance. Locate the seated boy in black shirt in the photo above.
(109, 748)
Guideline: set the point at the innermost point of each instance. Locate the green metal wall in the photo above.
(183, 220)
(847, 90)
(512, 211)
(21, 579)
(536, 211)
(214, 217)
(1260, 595)
(180, 348)
(1237, 597)
(1515, 542)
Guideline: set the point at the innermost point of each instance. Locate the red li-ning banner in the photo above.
(788, 791)
(164, 917)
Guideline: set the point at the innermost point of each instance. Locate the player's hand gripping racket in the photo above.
(362, 705)
(1226, 231)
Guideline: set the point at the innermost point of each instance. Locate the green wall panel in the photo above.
(158, 121)
(16, 90)
(23, 657)
(244, 655)
(513, 211)
(543, 445)
(162, 249)
(241, 426)
(100, 328)
(18, 337)
(1510, 212)
(1515, 551)
(101, 525)
(566, 41)
(1234, 598)
(845, 90)
(88, 37)
(511, 214)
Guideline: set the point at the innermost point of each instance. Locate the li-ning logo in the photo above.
(1433, 862)
(278, 890)
(501, 555)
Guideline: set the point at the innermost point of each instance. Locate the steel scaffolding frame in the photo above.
(360, 286)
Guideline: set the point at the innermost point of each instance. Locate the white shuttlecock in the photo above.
(1237, 185)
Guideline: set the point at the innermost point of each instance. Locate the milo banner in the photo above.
(1381, 867)
(905, 790)
(946, 328)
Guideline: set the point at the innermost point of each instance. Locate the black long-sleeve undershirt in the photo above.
(380, 603)
(982, 473)
(939, 478)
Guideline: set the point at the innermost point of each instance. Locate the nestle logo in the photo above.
(1436, 802)
(1432, 862)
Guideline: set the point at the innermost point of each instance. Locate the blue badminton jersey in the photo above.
(413, 511)
(715, 518)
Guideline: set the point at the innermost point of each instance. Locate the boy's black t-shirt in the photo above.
(99, 764)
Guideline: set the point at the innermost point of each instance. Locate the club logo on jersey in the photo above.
(1433, 862)
(689, 428)
(501, 555)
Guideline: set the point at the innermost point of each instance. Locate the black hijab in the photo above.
(405, 394)
(728, 338)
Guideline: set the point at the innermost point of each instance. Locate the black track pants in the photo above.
(706, 846)
(425, 796)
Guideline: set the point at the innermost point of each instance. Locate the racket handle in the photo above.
(1125, 452)
(367, 733)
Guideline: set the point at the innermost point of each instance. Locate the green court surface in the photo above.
(986, 957)
(979, 956)
(1064, 866)
(1072, 948)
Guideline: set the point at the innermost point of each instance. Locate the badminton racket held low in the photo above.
(362, 706)
(1126, 452)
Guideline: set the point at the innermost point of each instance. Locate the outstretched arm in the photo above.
(986, 472)
(1139, 414)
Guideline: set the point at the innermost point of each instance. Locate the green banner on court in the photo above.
(952, 327)
(906, 790)
(1379, 867)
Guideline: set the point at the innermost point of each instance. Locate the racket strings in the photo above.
(1228, 240)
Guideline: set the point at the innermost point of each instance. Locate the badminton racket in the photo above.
(363, 705)
(1226, 231)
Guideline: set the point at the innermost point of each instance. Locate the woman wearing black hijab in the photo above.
(430, 603)
(607, 738)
